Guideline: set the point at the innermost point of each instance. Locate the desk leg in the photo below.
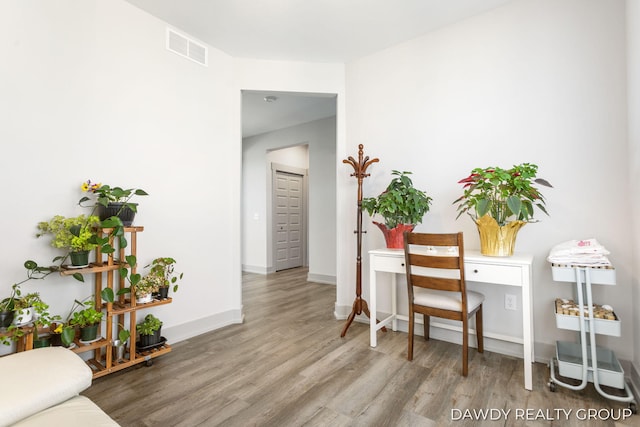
(394, 303)
(527, 334)
(373, 339)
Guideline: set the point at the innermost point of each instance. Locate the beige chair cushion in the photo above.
(446, 300)
(39, 379)
(78, 411)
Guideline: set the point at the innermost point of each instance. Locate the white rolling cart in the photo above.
(584, 360)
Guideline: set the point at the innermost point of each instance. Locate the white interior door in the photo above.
(287, 220)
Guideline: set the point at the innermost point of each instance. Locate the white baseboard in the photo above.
(207, 324)
(254, 269)
(321, 278)
(341, 312)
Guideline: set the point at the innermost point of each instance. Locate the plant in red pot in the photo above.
(401, 205)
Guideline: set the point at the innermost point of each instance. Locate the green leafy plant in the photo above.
(108, 295)
(124, 334)
(27, 301)
(106, 194)
(114, 226)
(67, 332)
(87, 316)
(400, 203)
(164, 267)
(73, 234)
(42, 318)
(34, 272)
(504, 194)
(150, 325)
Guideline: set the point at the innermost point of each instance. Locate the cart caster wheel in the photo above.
(633, 408)
(552, 387)
(148, 362)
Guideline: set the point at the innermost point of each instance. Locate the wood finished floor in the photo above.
(286, 365)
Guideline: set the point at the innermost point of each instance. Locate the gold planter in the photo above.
(496, 240)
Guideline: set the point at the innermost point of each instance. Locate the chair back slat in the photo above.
(427, 239)
(421, 260)
(430, 259)
(437, 283)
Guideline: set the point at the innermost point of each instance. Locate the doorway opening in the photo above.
(274, 132)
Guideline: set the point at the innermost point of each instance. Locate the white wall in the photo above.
(633, 99)
(320, 138)
(540, 81)
(90, 92)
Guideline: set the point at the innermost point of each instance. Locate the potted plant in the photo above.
(401, 205)
(113, 201)
(145, 288)
(7, 307)
(8, 304)
(149, 331)
(500, 202)
(42, 319)
(119, 346)
(164, 267)
(62, 334)
(77, 235)
(24, 308)
(88, 320)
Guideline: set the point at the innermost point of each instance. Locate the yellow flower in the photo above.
(58, 330)
(90, 186)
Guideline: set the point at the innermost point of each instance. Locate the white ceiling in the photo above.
(306, 30)
(289, 109)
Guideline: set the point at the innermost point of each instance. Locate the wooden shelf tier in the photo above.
(126, 307)
(99, 367)
(93, 268)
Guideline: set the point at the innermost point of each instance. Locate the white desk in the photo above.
(509, 271)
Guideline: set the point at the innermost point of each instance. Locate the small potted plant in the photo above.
(145, 288)
(120, 345)
(88, 320)
(113, 201)
(77, 235)
(7, 307)
(164, 267)
(401, 205)
(24, 308)
(149, 331)
(42, 319)
(8, 304)
(500, 202)
(62, 334)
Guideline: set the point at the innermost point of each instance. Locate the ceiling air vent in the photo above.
(187, 47)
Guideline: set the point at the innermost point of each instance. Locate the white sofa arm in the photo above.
(39, 379)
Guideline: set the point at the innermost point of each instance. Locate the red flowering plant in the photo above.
(505, 195)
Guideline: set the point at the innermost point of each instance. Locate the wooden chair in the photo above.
(436, 286)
